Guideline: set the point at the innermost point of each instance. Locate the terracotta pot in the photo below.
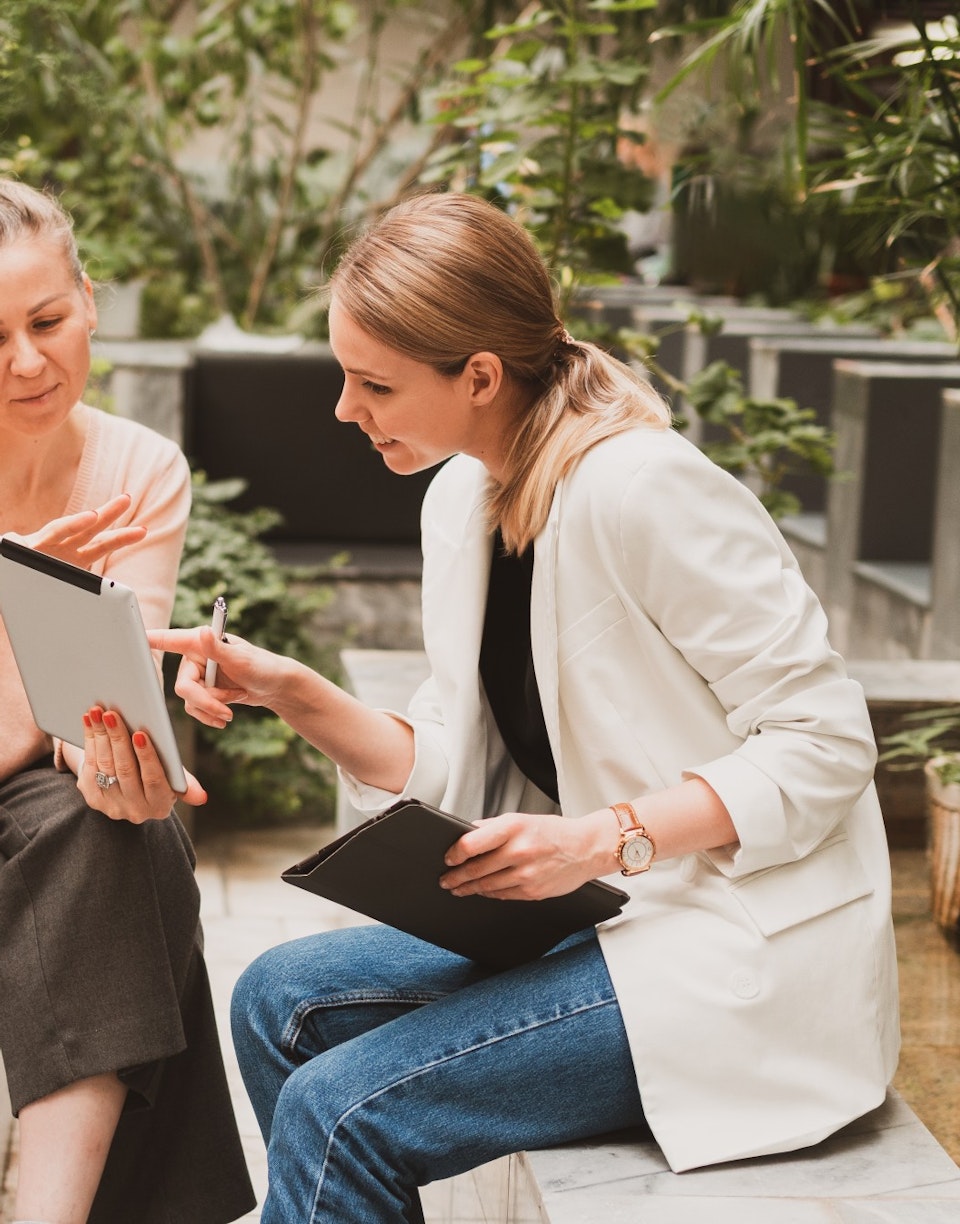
(943, 843)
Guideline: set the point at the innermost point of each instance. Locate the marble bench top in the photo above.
(886, 1167)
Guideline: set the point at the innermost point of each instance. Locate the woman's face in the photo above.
(45, 325)
(413, 416)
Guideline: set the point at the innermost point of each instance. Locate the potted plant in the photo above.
(931, 739)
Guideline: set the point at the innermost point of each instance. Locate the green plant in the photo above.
(886, 146)
(898, 137)
(257, 764)
(97, 391)
(745, 39)
(535, 124)
(765, 440)
(927, 736)
(184, 138)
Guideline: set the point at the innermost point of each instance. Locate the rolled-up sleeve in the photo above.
(708, 566)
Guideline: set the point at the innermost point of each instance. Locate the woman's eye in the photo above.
(376, 388)
(46, 324)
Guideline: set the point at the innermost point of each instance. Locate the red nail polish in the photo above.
(86, 721)
(96, 714)
(139, 739)
(110, 719)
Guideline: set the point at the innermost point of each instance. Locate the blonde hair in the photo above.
(28, 213)
(442, 276)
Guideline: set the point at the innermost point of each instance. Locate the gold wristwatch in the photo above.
(636, 849)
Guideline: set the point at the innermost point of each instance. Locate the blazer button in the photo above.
(745, 984)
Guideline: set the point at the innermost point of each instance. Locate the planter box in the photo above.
(270, 419)
(943, 800)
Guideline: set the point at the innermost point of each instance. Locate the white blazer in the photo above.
(673, 635)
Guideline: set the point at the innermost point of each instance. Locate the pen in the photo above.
(218, 625)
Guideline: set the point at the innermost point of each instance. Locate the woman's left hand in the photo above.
(523, 857)
(84, 538)
(140, 791)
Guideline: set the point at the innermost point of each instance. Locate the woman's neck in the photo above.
(38, 474)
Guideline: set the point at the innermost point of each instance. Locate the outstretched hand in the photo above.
(246, 674)
(84, 538)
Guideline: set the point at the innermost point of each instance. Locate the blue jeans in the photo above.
(377, 1063)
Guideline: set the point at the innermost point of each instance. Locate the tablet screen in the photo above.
(79, 640)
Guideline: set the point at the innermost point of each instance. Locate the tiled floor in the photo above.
(247, 908)
(929, 1074)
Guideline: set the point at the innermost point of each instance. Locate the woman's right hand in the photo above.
(246, 674)
(82, 539)
(139, 790)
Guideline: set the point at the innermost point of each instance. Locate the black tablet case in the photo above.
(388, 868)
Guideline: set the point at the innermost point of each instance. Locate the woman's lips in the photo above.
(37, 398)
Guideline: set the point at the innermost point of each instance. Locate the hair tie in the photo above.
(564, 342)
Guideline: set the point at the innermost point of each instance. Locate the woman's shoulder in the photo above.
(656, 480)
(641, 455)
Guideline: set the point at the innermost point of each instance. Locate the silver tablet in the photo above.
(79, 641)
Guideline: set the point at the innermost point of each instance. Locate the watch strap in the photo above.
(626, 815)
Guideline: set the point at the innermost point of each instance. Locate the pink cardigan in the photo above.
(119, 456)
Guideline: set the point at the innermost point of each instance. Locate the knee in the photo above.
(317, 1105)
(255, 1008)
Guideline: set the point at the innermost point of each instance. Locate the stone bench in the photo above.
(884, 1167)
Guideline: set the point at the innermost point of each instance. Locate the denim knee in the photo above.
(255, 1006)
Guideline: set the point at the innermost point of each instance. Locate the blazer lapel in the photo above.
(456, 575)
(543, 627)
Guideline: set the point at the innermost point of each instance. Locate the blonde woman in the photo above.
(629, 674)
(106, 1025)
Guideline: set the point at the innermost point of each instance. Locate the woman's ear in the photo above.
(89, 303)
(485, 377)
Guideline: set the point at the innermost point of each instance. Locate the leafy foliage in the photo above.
(765, 441)
(536, 122)
(927, 735)
(257, 763)
(898, 138)
(887, 149)
(182, 136)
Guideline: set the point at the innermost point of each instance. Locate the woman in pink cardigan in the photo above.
(107, 1030)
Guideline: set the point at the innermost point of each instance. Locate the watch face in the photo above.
(636, 853)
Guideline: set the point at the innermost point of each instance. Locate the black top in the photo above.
(506, 667)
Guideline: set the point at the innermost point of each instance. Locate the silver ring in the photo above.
(105, 781)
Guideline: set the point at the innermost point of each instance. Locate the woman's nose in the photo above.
(26, 359)
(348, 406)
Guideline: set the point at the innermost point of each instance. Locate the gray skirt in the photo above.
(101, 969)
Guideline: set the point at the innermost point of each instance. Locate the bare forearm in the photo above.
(685, 819)
(682, 819)
(373, 746)
(522, 857)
